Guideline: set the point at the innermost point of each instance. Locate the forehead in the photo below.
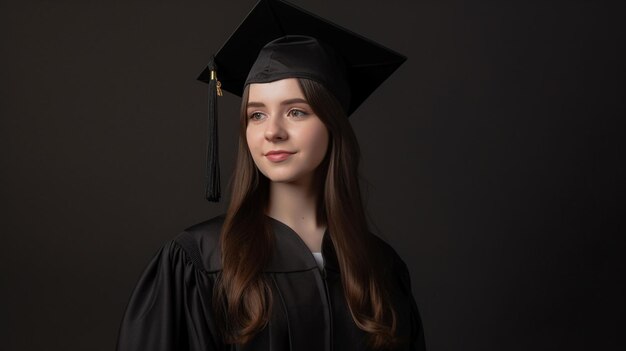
(275, 91)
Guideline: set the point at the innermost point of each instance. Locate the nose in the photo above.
(275, 130)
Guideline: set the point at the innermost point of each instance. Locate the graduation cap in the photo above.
(278, 40)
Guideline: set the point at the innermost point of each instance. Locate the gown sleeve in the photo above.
(417, 342)
(169, 307)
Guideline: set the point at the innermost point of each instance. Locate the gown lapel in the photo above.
(302, 292)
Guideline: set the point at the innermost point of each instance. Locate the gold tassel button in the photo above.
(219, 84)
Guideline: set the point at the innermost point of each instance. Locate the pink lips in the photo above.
(278, 155)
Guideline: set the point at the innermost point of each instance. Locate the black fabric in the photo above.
(366, 64)
(300, 56)
(170, 308)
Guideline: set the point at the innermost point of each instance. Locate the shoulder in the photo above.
(394, 268)
(388, 255)
(201, 243)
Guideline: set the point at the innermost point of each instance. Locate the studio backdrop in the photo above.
(491, 160)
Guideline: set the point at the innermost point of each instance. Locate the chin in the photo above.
(283, 177)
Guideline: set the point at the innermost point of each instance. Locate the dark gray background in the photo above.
(492, 157)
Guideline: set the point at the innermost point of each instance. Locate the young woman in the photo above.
(292, 264)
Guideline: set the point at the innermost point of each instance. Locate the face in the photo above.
(286, 139)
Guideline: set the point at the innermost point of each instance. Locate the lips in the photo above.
(278, 155)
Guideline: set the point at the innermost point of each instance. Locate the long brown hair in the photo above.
(242, 298)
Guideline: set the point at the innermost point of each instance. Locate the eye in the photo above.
(256, 116)
(297, 113)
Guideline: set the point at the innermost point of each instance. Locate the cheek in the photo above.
(254, 146)
(318, 141)
(250, 138)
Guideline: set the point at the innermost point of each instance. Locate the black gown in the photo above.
(170, 308)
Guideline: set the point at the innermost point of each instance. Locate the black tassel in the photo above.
(212, 191)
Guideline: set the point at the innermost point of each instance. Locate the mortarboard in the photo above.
(278, 40)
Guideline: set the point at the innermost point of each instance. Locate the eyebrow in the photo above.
(285, 102)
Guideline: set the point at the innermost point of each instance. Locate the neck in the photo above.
(294, 204)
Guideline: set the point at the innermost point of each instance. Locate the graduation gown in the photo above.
(170, 308)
